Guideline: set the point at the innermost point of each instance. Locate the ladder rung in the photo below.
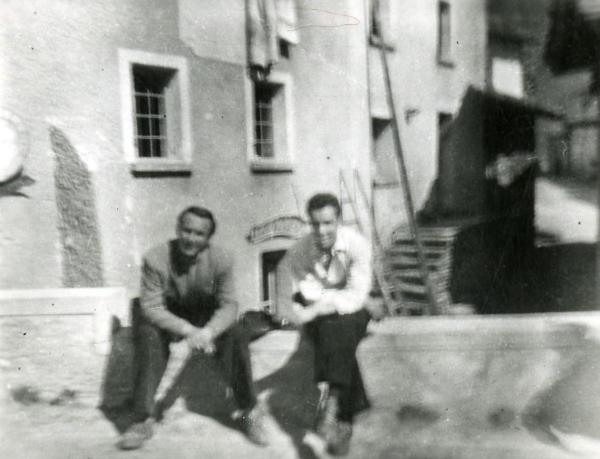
(409, 273)
(410, 249)
(411, 288)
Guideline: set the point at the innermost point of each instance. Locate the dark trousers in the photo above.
(152, 354)
(335, 338)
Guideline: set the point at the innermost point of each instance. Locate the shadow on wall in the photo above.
(77, 222)
(498, 279)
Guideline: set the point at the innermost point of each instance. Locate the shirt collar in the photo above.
(340, 245)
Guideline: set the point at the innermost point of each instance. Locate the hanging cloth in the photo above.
(261, 30)
(266, 22)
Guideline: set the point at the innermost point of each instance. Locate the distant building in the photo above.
(559, 32)
(436, 51)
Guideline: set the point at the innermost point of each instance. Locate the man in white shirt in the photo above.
(332, 271)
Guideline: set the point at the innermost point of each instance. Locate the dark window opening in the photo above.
(264, 95)
(150, 86)
(444, 32)
(274, 283)
(284, 49)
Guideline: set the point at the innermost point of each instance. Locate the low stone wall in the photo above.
(536, 372)
(100, 305)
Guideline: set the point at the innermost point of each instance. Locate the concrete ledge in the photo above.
(501, 332)
(523, 372)
(530, 373)
(101, 303)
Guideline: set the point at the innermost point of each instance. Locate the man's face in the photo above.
(193, 234)
(324, 223)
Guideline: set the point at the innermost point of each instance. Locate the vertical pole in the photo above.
(408, 201)
(597, 88)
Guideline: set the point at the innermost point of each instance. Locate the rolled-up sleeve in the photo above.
(152, 301)
(352, 297)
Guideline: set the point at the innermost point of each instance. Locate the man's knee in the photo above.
(148, 334)
(344, 326)
(338, 337)
(237, 333)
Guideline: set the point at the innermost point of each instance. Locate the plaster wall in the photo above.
(424, 87)
(62, 74)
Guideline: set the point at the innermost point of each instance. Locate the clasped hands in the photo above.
(201, 339)
(318, 301)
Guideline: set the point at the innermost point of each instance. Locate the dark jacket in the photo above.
(176, 292)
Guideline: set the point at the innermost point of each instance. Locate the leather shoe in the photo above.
(340, 444)
(256, 424)
(135, 436)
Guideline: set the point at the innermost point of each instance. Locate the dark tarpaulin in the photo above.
(572, 41)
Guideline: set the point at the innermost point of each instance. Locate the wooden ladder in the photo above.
(348, 199)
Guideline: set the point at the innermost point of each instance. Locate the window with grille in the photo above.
(444, 33)
(151, 119)
(264, 128)
(270, 116)
(155, 112)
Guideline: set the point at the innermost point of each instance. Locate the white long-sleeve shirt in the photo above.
(346, 282)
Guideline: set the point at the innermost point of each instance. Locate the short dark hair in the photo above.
(320, 200)
(201, 212)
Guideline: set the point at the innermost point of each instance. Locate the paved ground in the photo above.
(47, 422)
(567, 209)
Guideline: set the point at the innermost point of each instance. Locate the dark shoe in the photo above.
(340, 445)
(136, 435)
(255, 424)
(326, 426)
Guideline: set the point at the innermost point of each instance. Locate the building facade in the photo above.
(436, 50)
(128, 111)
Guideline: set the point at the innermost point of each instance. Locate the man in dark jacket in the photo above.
(187, 292)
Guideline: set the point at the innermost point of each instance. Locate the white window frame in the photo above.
(282, 161)
(127, 59)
